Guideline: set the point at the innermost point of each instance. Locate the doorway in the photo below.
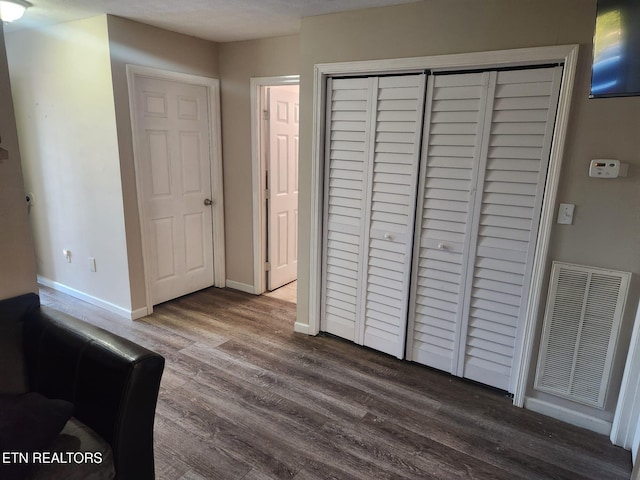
(565, 55)
(275, 102)
(175, 125)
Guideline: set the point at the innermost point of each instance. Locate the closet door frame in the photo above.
(563, 54)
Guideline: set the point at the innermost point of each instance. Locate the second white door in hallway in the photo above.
(282, 185)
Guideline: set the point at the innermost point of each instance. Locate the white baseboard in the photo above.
(139, 313)
(302, 328)
(570, 416)
(243, 287)
(120, 311)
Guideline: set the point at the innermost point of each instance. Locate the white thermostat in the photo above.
(604, 168)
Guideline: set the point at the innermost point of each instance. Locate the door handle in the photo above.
(207, 202)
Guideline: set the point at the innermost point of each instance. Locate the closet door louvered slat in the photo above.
(581, 325)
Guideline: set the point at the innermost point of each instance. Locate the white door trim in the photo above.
(257, 173)
(566, 54)
(625, 430)
(213, 89)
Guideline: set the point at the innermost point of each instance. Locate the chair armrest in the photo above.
(112, 382)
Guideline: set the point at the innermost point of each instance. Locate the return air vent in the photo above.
(581, 324)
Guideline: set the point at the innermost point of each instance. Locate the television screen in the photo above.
(616, 49)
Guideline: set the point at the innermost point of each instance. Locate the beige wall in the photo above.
(138, 44)
(17, 261)
(239, 61)
(606, 229)
(66, 122)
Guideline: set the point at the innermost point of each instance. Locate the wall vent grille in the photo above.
(581, 325)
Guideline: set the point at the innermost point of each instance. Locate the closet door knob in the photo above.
(388, 236)
(442, 246)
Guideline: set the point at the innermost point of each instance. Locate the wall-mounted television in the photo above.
(615, 71)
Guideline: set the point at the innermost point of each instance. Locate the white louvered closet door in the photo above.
(481, 313)
(453, 141)
(398, 112)
(374, 127)
(346, 180)
(510, 201)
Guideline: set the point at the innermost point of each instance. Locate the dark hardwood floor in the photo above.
(244, 397)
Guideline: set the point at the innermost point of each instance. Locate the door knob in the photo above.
(207, 202)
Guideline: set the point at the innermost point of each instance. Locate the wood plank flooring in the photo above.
(243, 397)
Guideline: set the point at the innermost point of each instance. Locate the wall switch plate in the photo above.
(565, 213)
(92, 264)
(67, 255)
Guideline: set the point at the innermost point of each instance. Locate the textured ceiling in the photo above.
(217, 20)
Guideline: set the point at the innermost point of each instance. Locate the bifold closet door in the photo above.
(374, 126)
(346, 173)
(453, 147)
(488, 139)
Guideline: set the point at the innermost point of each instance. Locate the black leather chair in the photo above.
(112, 382)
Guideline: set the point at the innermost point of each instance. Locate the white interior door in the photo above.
(173, 125)
(282, 204)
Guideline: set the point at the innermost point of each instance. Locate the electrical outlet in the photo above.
(92, 264)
